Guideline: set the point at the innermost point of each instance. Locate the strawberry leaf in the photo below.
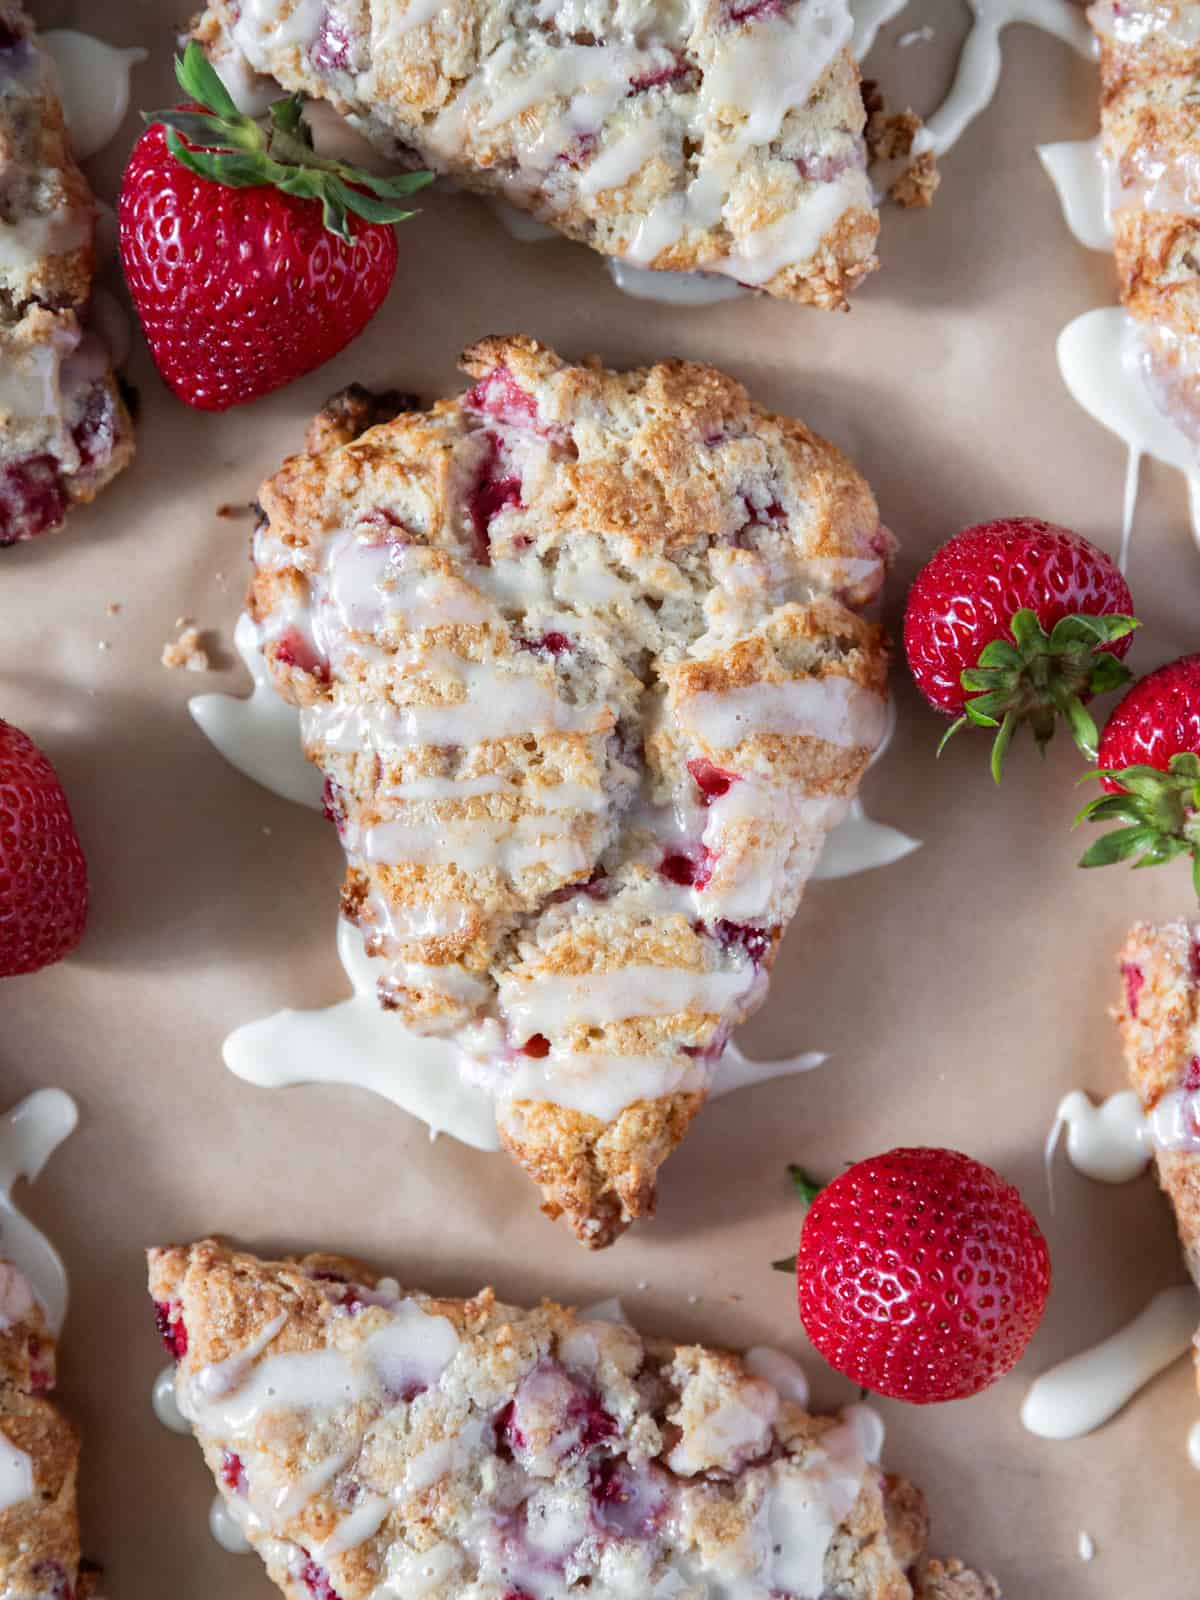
(1038, 678)
(1082, 725)
(1028, 632)
(1000, 745)
(1160, 812)
(955, 726)
(200, 81)
(807, 1188)
(235, 169)
(235, 150)
(1117, 846)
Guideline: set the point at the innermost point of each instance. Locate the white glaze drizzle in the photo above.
(93, 80)
(794, 1527)
(1086, 1546)
(1101, 354)
(1193, 1445)
(672, 288)
(980, 61)
(225, 1529)
(1109, 1142)
(16, 1474)
(260, 736)
(1075, 168)
(869, 16)
(29, 1135)
(356, 1042)
(165, 1404)
(783, 1372)
(1079, 1395)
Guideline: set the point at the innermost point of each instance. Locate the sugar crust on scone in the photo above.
(64, 429)
(578, 656)
(39, 1530)
(372, 1442)
(1150, 141)
(702, 135)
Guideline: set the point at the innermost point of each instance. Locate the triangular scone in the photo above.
(39, 1457)
(64, 430)
(719, 136)
(1160, 1027)
(577, 656)
(1150, 141)
(375, 1444)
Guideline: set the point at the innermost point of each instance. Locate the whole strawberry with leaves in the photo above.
(1149, 766)
(1017, 621)
(251, 260)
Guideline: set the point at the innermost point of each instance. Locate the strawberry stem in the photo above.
(227, 147)
(1038, 677)
(1160, 812)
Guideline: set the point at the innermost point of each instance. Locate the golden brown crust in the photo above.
(1158, 1019)
(670, 139)
(512, 706)
(524, 1419)
(1150, 140)
(64, 428)
(39, 1535)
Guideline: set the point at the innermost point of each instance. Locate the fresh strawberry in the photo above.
(921, 1275)
(250, 259)
(43, 876)
(1149, 764)
(1018, 621)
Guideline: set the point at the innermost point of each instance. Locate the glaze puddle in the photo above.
(1109, 1142)
(357, 1042)
(94, 84)
(29, 1135)
(1099, 353)
(1077, 1396)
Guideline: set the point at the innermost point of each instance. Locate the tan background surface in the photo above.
(961, 991)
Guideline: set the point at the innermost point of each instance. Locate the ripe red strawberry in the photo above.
(1018, 621)
(250, 259)
(1149, 763)
(921, 1275)
(43, 876)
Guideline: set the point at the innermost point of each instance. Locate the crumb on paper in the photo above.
(185, 650)
(1087, 1546)
(643, 1285)
(103, 644)
(693, 1299)
(266, 831)
(113, 608)
(911, 181)
(915, 36)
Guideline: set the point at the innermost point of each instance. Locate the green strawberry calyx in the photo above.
(807, 1189)
(243, 154)
(1160, 813)
(1036, 677)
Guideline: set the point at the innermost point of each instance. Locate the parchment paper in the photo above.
(960, 992)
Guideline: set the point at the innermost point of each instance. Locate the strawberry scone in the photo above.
(1160, 1028)
(64, 429)
(721, 136)
(372, 1442)
(39, 1457)
(1150, 142)
(580, 658)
